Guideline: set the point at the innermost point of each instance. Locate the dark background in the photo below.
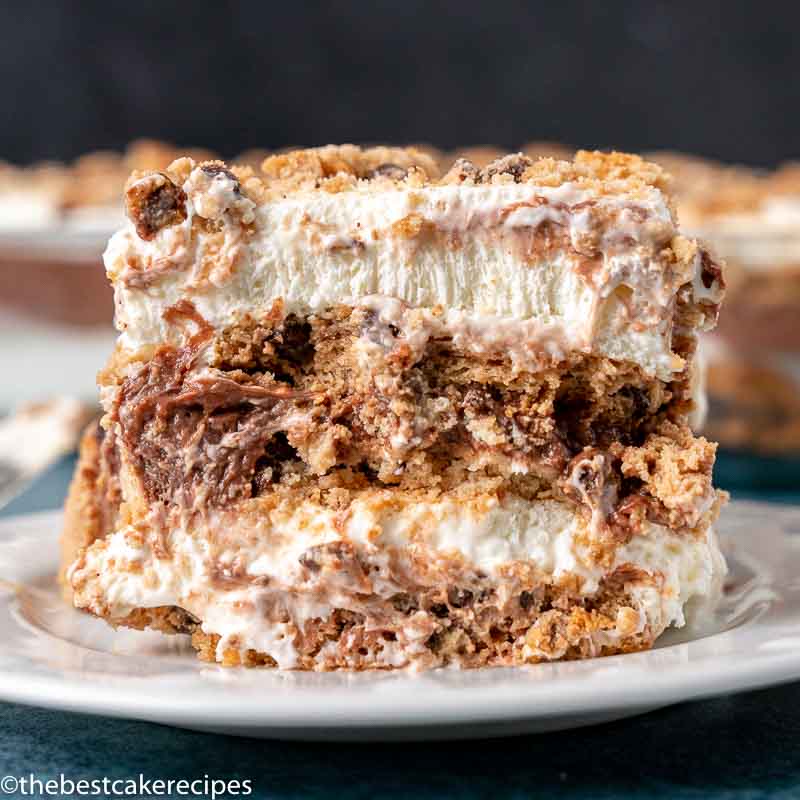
(718, 79)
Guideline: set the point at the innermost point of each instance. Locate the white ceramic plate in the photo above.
(53, 656)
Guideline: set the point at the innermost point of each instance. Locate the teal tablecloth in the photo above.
(743, 746)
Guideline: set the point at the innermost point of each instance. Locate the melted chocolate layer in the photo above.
(289, 398)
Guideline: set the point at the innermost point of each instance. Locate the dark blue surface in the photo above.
(766, 477)
(738, 747)
(744, 746)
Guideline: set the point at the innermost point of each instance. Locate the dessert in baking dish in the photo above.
(55, 220)
(752, 218)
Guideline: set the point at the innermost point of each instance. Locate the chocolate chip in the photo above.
(153, 203)
(213, 170)
(640, 400)
(439, 610)
(587, 477)
(435, 641)
(458, 597)
(309, 562)
(514, 165)
(710, 272)
(393, 171)
(462, 170)
(526, 600)
(404, 603)
(332, 555)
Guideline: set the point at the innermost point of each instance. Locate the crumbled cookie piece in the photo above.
(154, 202)
(463, 170)
(216, 191)
(214, 168)
(392, 171)
(340, 167)
(514, 165)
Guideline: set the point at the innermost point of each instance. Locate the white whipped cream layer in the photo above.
(314, 250)
(125, 571)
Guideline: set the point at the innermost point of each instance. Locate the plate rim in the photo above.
(347, 708)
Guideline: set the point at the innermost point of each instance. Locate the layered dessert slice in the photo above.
(360, 416)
